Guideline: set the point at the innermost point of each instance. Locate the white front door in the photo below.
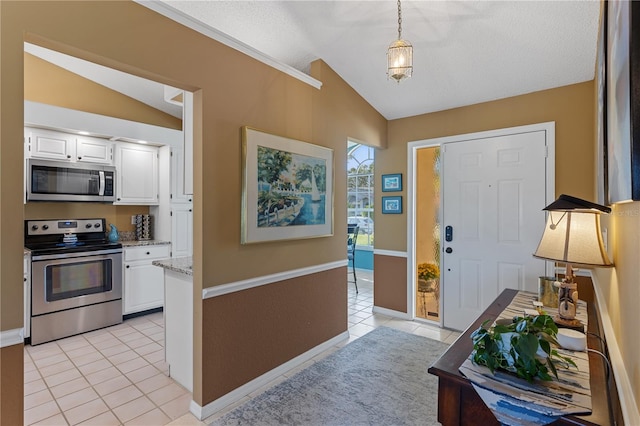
(493, 193)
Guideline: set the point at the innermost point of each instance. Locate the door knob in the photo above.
(448, 250)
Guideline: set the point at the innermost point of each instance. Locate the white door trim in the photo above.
(414, 146)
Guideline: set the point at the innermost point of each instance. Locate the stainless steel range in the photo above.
(76, 277)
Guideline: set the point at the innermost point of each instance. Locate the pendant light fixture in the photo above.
(399, 55)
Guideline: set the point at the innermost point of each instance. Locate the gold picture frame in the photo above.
(287, 188)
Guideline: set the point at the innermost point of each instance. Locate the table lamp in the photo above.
(572, 235)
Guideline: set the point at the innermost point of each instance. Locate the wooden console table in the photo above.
(459, 404)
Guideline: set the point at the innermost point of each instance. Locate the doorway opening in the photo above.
(360, 187)
(427, 236)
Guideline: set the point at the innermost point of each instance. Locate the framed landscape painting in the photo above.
(287, 188)
(392, 205)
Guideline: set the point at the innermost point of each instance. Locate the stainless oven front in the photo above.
(75, 292)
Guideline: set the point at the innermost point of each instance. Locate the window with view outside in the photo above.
(360, 183)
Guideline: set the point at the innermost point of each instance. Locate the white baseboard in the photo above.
(628, 404)
(252, 386)
(391, 313)
(11, 337)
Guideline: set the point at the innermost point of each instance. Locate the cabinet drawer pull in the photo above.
(148, 252)
(127, 266)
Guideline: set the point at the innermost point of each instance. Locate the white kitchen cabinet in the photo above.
(137, 179)
(50, 145)
(178, 176)
(143, 285)
(27, 295)
(94, 150)
(54, 145)
(181, 230)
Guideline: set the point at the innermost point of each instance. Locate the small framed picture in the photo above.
(392, 182)
(392, 205)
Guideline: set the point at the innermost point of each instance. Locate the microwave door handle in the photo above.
(102, 182)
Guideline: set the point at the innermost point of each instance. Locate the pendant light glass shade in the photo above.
(399, 55)
(400, 60)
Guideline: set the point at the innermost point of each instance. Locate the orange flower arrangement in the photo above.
(428, 271)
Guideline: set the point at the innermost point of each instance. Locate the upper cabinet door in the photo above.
(94, 150)
(178, 194)
(137, 174)
(50, 145)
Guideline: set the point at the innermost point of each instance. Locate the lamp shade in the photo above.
(573, 237)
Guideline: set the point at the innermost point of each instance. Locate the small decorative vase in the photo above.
(113, 234)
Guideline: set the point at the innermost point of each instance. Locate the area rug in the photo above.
(378, 379)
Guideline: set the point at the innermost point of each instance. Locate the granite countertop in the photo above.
(136, 243)
(183, 265)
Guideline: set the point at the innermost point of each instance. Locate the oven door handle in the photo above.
(102, 183)
(75, 254)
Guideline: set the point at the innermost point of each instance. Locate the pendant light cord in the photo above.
(399, 22)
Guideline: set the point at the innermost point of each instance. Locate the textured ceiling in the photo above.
(465, 52)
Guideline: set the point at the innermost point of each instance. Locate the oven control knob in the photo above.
(96, 225)
(34, 227)
(45, 227)
(88, 225)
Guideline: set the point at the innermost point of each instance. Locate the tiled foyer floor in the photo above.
(116, 375)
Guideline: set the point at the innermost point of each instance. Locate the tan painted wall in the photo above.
(152, 46)
(571, 107)
(49, 84)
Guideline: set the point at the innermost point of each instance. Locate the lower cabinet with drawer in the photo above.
(143, 284)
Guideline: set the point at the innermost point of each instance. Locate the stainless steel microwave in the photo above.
(62, 181)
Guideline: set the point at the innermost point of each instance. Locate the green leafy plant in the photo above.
(522, 347)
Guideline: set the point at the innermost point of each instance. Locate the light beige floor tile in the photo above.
(37, 398)
(104, 419)
(28, 365)
(144, 325)
(439, 335)
(137, 343)
(86, 411)
(157, 336)
(152, 418)
(452, 337)
(50, 370)
(53, 359)
(167, 393)
(124, 330)
(34, 386)
(103, 375)
(115, 350)
(154, 329)
(73, 343)
(69, 387)
(43, 351)
(30, 376)
(77, 398)
(81, 351)
(154, 383)
(360, 329)
(98, 336)
(401, 325)
(107, 343)
(112, 385)
(63, 377)
(40, 412)
(57, 420)
(186, 420)
(92, 367)
(133, 364)
(124, 356)
(148, 348)
(87, 358)
(131, 337)
(142, 373)
(155, 356)
(133, 409)
(177, 407)
(122, 396)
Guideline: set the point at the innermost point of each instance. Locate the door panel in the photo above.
(493, 196)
